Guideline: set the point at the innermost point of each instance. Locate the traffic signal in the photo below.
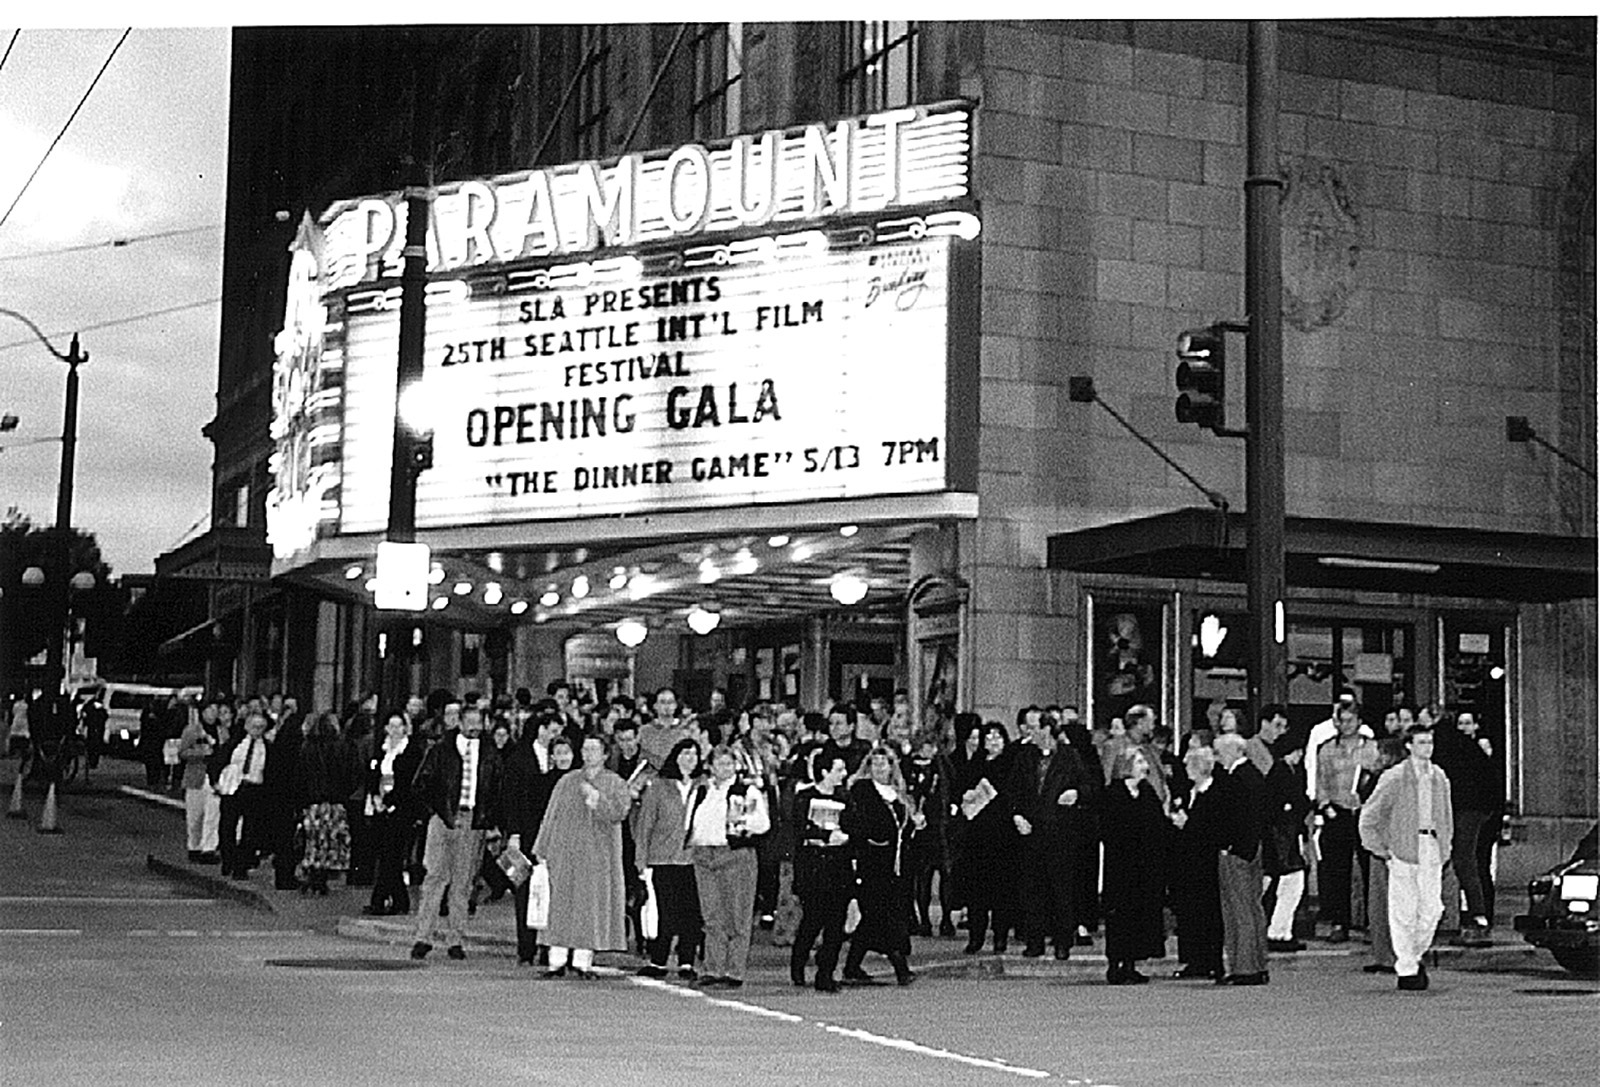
(1202, 377)
(422, 452)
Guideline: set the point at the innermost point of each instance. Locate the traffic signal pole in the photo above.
(1263, 288)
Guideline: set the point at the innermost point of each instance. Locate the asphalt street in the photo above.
(121, 963)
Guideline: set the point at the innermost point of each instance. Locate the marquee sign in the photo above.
(808, 361)
(808, 377)
(861, 165)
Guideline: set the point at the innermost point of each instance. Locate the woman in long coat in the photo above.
(989, 863)
(1134, 828)
(580, 839)
(879, 818)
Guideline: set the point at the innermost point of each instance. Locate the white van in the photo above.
(125, 703)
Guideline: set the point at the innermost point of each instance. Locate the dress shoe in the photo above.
(1413, 984)
(209, 856)
(733, 983)
(1339, 935)
(686, 973)
(194, 856)
(1033, 951)
(973, 947)
(651, 970)
(798, 981)
(1377, 968)
(825, 985)
(455, 952)
(419, 950)
(947, 930)
(558, 972)
(859, 976)
(925, 930)
(1286, 946)
(1063, 953)
(1197, 973)
(1258, 978)
(582, 975)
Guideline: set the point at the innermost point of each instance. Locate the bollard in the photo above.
(48, 823)
(17, 811)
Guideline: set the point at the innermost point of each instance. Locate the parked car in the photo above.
(124, 703)
(1562, 909)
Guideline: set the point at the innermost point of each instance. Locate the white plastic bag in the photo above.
(649, 914)
(539, 896)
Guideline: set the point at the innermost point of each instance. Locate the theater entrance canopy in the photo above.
(1340, 554)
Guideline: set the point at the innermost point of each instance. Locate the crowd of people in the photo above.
(648, 827)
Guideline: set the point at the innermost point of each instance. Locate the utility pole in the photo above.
(1263, 288)
(59, 588)
(406, 456)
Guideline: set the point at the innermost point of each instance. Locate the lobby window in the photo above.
(879, 66)
(715, 51)
(241, 506)
(593, 107)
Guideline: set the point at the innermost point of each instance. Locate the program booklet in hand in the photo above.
(983, 793)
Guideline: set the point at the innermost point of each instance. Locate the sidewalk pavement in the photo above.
(492, 931)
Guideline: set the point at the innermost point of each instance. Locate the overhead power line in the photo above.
(110, 243)
(118, 321)
(14, 35)
(66, 126)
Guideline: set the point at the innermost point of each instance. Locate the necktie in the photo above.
(469, 770)
(249, 753)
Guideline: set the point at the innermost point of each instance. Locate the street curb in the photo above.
(212, 885)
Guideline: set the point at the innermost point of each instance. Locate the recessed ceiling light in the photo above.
(618, 579)
(848, 530)
(550, 598)
(352, 572)
(436, 575)
(580, 586)
(518, 607)
(777, 541)
(492, 593)
(440, 603)
(463, 588)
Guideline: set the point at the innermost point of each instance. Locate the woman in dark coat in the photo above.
(989, 839)
(824, 876)
(1134, 829)
(879, 818)
(1196, 896)
(392, 808)
(322, 786)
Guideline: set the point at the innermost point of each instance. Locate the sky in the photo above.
(145, 155)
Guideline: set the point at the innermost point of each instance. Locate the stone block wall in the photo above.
(1424, 273)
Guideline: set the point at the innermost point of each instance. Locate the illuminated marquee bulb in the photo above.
(631, 632)
(550, 598)
(702, 621)
(436, 575)
(580, 586)
(847, 589)
(492, 593)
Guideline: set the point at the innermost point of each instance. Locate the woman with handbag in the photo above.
(580, 842)
(666, 863)
(391, 806)
(879, 818)
(726, 817)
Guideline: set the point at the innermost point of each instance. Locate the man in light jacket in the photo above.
(1407, 824)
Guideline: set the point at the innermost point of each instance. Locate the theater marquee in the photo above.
(809, 360)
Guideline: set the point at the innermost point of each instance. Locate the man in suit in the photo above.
(1051, 787)
(1407, 823)
(1241, 804)
(458, 785)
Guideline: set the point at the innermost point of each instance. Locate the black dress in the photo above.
(1134, 830)
(990, 850)
(1196, 897)
(878, 830)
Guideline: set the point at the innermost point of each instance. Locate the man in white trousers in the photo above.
(1407, 823)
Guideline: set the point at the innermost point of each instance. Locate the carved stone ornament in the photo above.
(1321, 244)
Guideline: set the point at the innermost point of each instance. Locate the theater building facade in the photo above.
(743, 376)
